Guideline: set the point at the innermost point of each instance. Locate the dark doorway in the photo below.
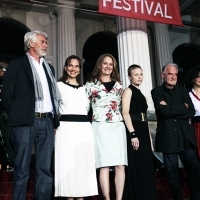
(186, 56)
(96, 45)
(11, 39)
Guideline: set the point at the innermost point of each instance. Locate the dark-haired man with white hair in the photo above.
(30, 96)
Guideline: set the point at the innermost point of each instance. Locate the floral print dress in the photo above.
(107, 122)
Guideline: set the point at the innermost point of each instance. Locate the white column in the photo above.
(66, 35)
(162, 41)
(133, 49)
(54, 44)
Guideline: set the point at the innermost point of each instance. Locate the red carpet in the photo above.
(161, 180)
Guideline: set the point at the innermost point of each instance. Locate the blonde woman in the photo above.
(140, 180)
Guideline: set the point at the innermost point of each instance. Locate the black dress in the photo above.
(140, 178)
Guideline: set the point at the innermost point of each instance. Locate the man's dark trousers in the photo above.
(40, 134)
(191, 163)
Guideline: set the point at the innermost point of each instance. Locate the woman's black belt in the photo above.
(196, 119)
(138, 116)
(74, 118)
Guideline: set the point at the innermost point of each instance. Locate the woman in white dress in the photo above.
(104, 92)
(75, 173)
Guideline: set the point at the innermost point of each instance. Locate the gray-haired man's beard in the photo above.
(41, 53)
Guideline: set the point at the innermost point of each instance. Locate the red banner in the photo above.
(162, 11)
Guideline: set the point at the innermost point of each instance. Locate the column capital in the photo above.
(63, 10)
(65, 7)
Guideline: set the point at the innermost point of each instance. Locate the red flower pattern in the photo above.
(109, 116)
(94, 93)
(112, 100)
(113, 105)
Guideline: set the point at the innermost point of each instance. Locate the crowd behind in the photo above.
(51, 117)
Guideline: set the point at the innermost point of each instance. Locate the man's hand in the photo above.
(186, 104)
(163, 103)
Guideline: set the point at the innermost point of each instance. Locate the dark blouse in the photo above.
(108, 85)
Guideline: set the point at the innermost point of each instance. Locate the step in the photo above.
(164, 193)
(6, 188)
(7, 176)
(9, 197)
(162, 183)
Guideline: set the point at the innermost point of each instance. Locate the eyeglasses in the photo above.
(3, 68)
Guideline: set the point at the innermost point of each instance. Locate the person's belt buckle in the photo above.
(142, 115)
(39, 115)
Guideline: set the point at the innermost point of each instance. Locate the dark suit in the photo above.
(18, 96)
(175, 136)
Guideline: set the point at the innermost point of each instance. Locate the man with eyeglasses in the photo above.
(175, 136)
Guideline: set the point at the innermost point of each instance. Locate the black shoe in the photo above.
(10, 168)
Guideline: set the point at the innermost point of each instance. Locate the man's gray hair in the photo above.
(32, 37)
(169, 64)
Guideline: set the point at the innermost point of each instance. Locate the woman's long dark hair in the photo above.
(96, 74)
(65, 76)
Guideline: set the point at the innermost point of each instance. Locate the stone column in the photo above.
(66, 35)
(133, 49)
(54, 44)
(163, 48)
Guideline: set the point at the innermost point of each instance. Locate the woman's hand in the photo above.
(135, 143)
(163, 103)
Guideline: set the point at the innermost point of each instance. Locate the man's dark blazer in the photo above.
(168, 115)
(18, 93)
